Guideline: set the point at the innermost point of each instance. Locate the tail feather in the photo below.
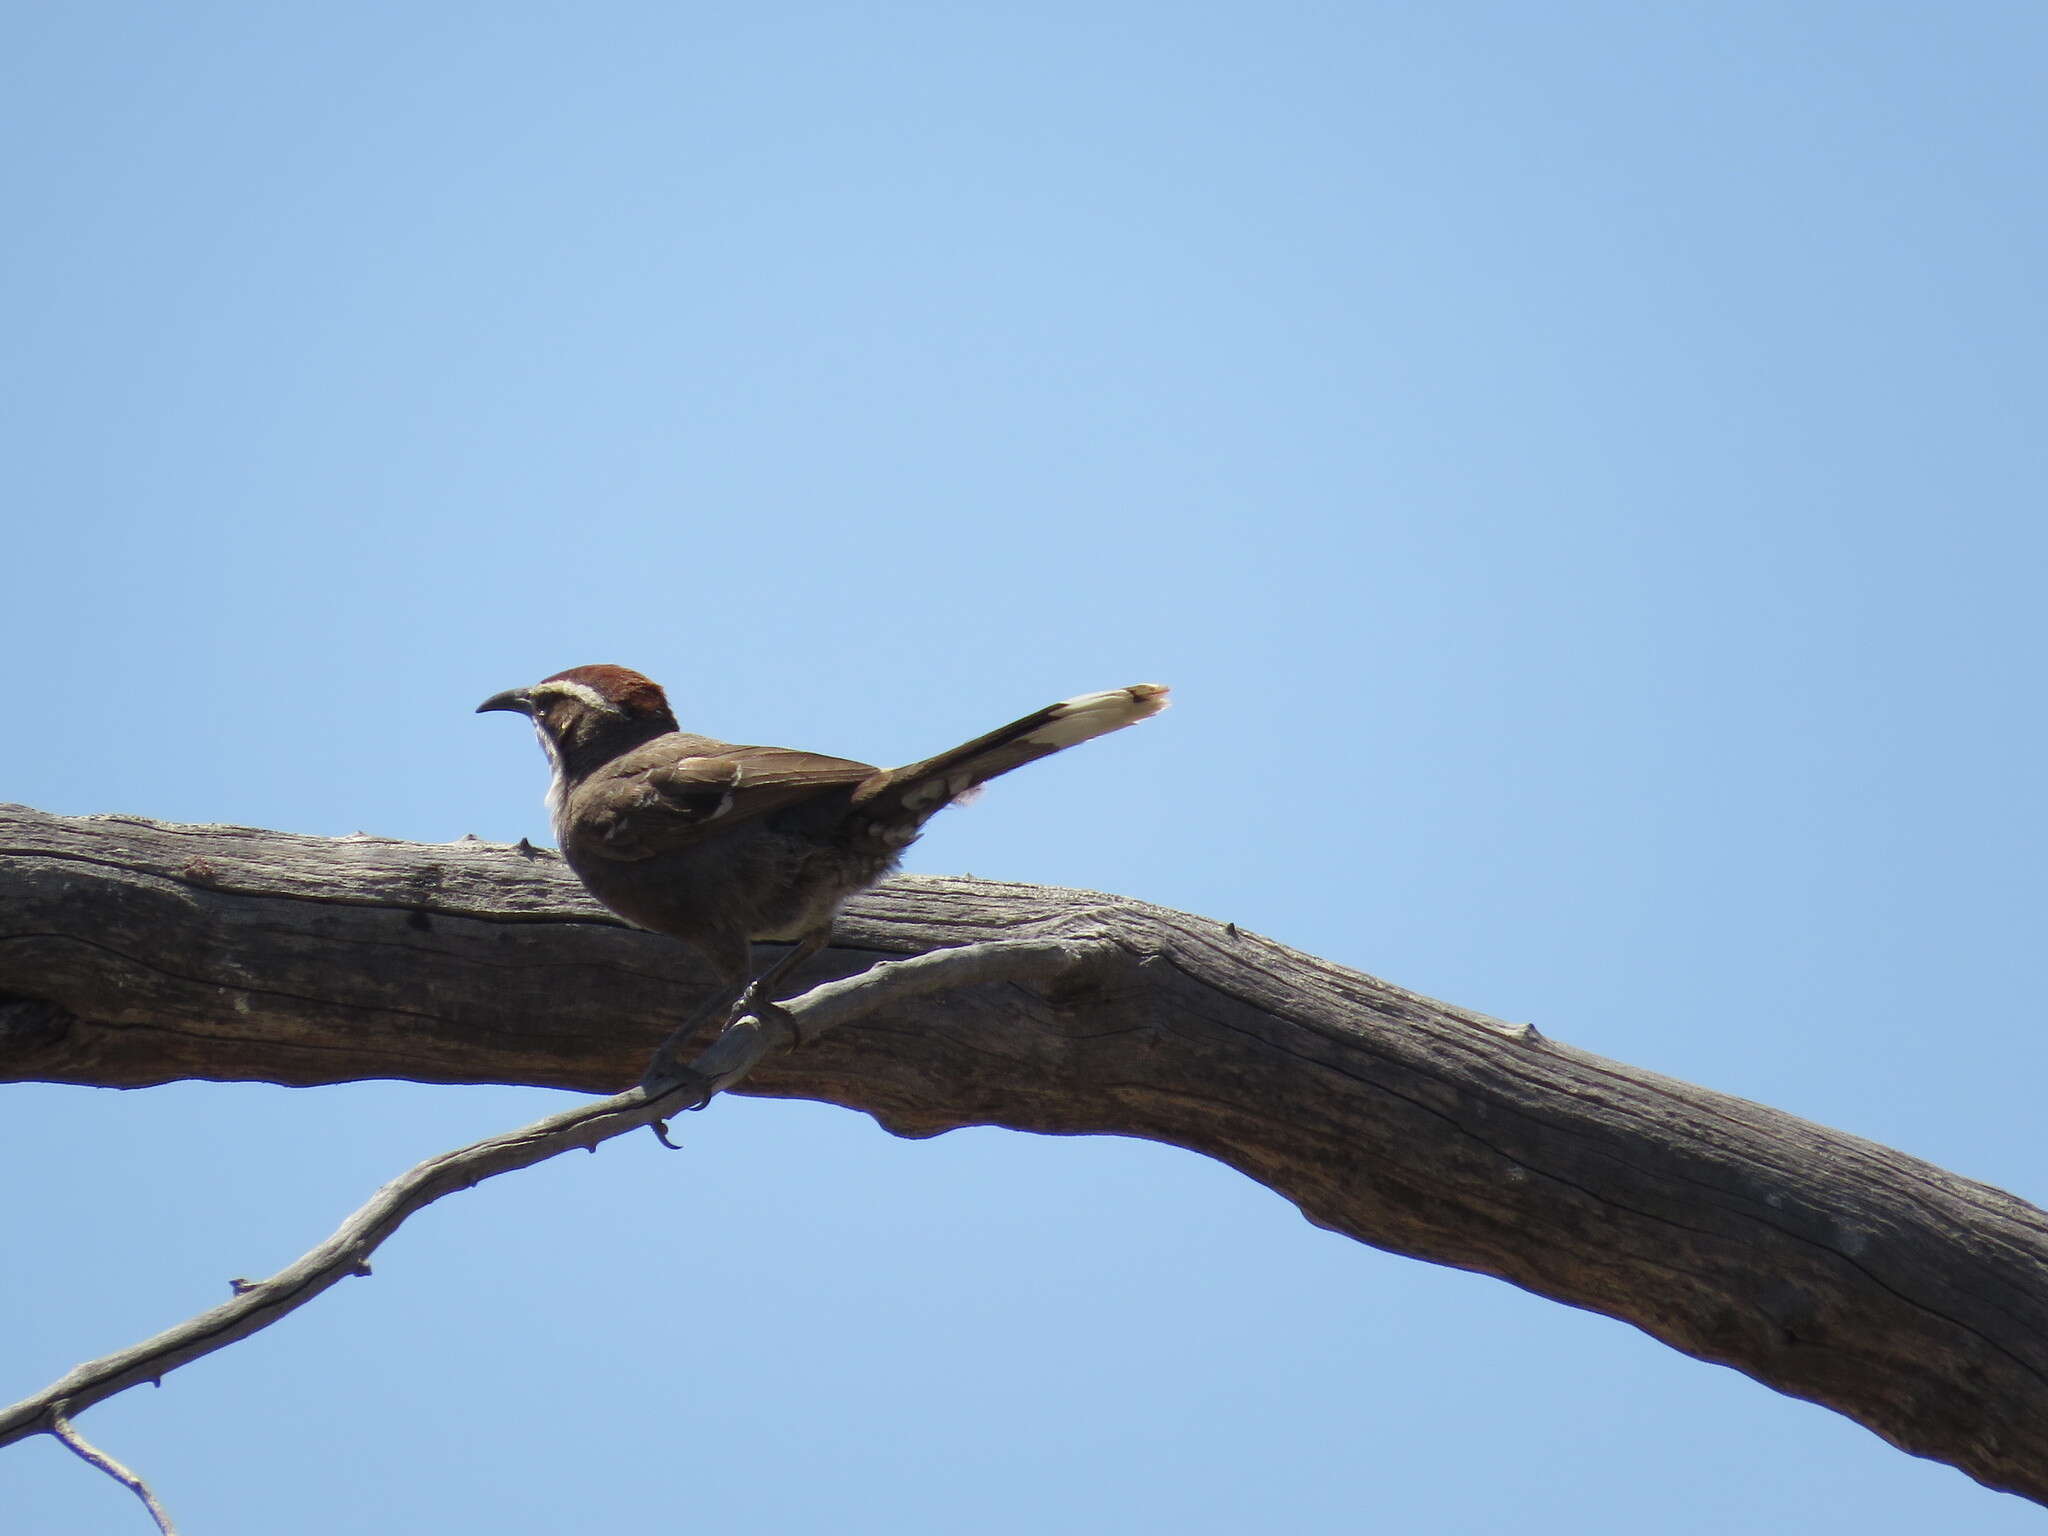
(918, 790)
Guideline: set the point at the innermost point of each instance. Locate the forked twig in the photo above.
(728, 1059)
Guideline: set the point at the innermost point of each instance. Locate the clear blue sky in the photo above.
(1580, 466)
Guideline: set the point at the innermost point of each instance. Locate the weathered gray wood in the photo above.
(1825, 1266)
(727, 1060)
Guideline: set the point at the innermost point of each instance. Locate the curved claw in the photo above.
(665, 1073)
(767, 1012)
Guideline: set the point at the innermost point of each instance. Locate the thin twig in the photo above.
(85, 1450)
(723, 1063)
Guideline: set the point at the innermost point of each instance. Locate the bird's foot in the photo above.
(664, 1073)
(767, 1012)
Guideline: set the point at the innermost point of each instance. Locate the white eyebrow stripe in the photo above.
(579, 691)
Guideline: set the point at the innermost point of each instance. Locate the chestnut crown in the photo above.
(585, 706)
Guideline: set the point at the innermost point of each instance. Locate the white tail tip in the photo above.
(1097, 714)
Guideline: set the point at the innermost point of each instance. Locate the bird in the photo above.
(722, 846)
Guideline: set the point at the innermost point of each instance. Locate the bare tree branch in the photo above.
(1825, 1266)
(256, 1305)
(86, 1451)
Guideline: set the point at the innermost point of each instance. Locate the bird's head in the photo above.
(588, 715)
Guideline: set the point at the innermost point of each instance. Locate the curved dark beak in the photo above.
(515, 699)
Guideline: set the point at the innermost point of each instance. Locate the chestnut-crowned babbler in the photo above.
(720, 845)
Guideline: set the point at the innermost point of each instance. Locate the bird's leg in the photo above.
(755, 999)
(733, 998)
(729, 958)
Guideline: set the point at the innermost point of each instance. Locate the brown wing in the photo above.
(678, 791)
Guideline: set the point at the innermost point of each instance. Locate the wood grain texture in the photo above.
(1825, 1266)
(728, 1060)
